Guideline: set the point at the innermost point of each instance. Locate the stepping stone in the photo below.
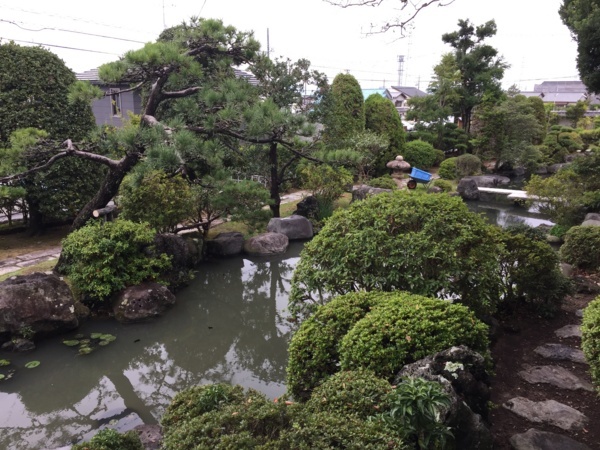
(568, 331)
(579, 313)
(554, 375)
(534, 439)
(548, 412)
(560, 352)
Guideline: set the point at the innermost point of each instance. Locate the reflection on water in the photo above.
(229, 325)
(506, 213)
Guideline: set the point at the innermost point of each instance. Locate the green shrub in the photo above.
(448, 170)
(420, 154)
(590, 137)
(158, 199)
(439, 157)
(415, 408)
(313, 349)
(222, 417)
(325, 430)
(582, 247)
(590, 339)
(108, 439)
(383, 182)
(559, 231)
(467, 165)
(444, 185)
(358, 392)
(406, 329)
(531, 273)
(103, 258)
(427, 244)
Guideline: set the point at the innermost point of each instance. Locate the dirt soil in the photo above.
(16, 244)
(515, 347)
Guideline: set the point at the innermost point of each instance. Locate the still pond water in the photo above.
(229, 325)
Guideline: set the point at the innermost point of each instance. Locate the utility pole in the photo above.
(268, 45)
(400, 69)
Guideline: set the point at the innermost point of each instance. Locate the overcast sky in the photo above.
(530, 37)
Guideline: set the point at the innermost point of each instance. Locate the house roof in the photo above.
(408, 91)
(558, 97)
(560, 86)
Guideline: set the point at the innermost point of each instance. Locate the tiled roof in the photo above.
(560, 86)
(410, 91)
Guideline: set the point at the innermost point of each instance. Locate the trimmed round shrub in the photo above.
(430, 245)
(103, 258)
(531, 273)
(467, 165)
(109, 439)
(383, 182)
(590, 339)
(313, 352)
(330, 430)
(448, 169)
(355, 392)
(444, 185)
(222, 417)
(439, 157)
(582, 247)
(407, 329)
(420, 154)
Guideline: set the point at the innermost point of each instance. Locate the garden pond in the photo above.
(230, 325)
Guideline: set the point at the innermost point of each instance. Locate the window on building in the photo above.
(115, 101)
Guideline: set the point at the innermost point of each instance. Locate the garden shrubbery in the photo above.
(378, 331)
(459, 167)
(383, 182)
(428, 244)
(109, 439)
(590, 339)
(582, 247)
(448, 170)
(420, 154)
(103, 258)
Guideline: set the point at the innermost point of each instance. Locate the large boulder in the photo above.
(226, 244)
(363, 191)
(308, 207)
(463, 375)
(34, 306)
(491, 181)
(467, 189)
(185, 254)
(294, 227)
(142, 302)
(267, 244)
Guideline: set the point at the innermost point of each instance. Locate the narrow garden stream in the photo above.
(229, 325)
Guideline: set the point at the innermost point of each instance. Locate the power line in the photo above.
(62, 46)
(72, 31)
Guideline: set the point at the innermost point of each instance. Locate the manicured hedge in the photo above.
(590, 339)
(582, 247)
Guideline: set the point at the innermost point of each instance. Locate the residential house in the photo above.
(115, 106)
(400, 95)
(564, 93)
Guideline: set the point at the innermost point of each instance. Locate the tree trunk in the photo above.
(274, 164)
(35, 224)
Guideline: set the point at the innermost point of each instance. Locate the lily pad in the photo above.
(84, 341)
(108, 337)
(32, 364)
(96, 335)
(2, 376)
(79, 336)
(71, 343)
(103, 343)
(4, 362)
(85, 350)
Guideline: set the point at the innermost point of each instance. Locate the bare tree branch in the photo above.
(183, 93)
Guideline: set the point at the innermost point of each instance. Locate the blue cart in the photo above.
(418, 176)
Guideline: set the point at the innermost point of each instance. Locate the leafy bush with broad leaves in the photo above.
(531, 273)
(103, 258)
(590, 339)
(582, 247)
(425, 244)
(315, 351)
(448, 170)
(108, 439)
(383, 182)
(406, 329)
(415, 407)
(420, 154)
